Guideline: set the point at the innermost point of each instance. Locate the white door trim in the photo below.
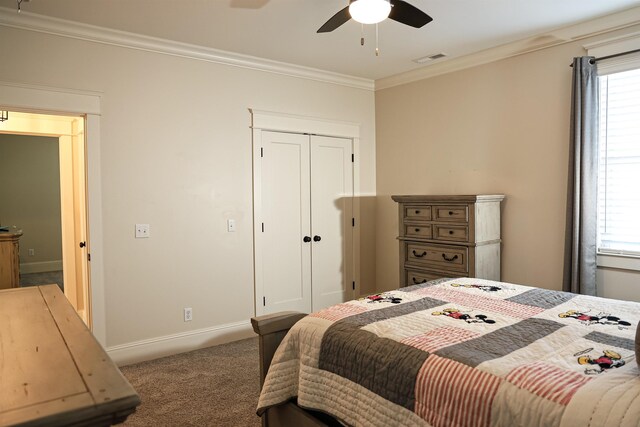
(36, 98)
(262, 120)
(31, 98)
(283, 122)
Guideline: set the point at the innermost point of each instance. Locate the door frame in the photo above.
(262, 120)
(68, 131)
(60, 101)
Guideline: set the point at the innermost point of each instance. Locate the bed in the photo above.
(463, 352)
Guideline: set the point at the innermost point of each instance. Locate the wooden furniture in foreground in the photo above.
(271, 330)
(448, 236)
(53, 371)
(9, 259)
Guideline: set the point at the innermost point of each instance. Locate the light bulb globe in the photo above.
(369, 11)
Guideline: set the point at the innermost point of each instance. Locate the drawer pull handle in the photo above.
(415, 254)
(415, 282)
(450, 212)
(417, 230)
(455, 257)
(417, 211)
(450, 231)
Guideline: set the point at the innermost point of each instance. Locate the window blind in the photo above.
(619, 63)
(619, 163)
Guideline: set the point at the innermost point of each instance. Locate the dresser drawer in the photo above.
(418, 212)
(448, 258)
(414, 277)
(418, 230)
(455, 213)
(450, 232)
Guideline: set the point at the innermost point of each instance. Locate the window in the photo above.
(619, 161)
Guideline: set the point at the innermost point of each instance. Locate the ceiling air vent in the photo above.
(429, 58)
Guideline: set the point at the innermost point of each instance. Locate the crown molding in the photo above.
(605, 24)
(70, 29)
(60, 27)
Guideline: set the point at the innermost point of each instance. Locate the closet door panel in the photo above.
(331, 214)
(286, 258)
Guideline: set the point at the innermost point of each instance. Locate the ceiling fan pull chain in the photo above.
(361, 34)
(377, 50)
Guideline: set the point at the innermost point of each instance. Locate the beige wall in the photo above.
(176, 154)
(30, 196)
(501, 128)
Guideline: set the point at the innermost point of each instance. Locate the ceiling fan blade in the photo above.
(335, 21)
(405, 13)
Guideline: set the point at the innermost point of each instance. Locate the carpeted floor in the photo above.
(215, 386)
(46, 278)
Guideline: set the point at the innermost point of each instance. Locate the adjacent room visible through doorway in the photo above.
(43, 193)
(30, 194)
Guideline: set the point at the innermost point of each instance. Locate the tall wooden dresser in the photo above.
(448, 236)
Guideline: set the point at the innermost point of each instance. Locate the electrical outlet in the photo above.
(142, 231)
(188, 314)
(32, 252)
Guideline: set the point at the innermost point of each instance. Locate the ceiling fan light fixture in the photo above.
(369, 11)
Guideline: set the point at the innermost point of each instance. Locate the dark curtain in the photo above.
(581, 231)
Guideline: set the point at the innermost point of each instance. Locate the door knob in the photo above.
(306, 239)
(83, 244)
(317, 238)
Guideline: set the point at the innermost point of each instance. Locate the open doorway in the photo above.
(30, 196)
(45, 201)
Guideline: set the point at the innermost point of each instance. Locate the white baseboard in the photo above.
(40, 267)
(140, 351)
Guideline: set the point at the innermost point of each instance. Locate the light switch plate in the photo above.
(231, 225)
(142, 231)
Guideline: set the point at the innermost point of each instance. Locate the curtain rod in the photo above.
(615, 55)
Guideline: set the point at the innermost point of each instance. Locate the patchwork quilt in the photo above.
(464, 352)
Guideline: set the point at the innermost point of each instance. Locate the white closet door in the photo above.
(331, 215)
(286, 258)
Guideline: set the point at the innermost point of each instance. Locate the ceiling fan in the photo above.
(375, 11)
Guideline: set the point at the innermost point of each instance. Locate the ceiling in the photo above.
(285, 30)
